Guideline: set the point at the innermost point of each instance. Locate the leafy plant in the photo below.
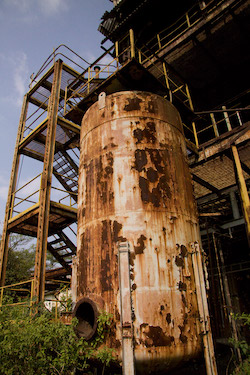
(32, 343)
(244, 367)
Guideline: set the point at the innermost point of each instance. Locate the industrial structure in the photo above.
(171, 88)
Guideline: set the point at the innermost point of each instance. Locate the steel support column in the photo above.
(243, 190)
(45, 190)
(11, 192)
(206, 332)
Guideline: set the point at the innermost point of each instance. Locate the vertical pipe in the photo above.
(132, 43)
(243, 190)
(12, 188)
(195, 134)
(234, 204)
(159, 41)
(239, 118)
(229, 127)
(167, 81)
(89, 77)
(65, 100)
(192, 109)
(117, 53)
(209, 355)
(44, 199)
(128, 367)
(229, 303)
(220, 276)
(213, 288)
(214, 125)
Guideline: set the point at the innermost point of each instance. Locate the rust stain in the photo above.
(141, 246)
(184, 251)
(132, 182)
(117, 227)
(168, 318)
(152, 174)
(134, 104)
(179, 261)
(140, 160)
(155, 336)
(148, 133)
(182, 286)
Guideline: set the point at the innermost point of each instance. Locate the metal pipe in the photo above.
(229, 303)
(214, 125)
(210, 361)
(234, 204)
(128, 366)
(132, 43)
(229, 127)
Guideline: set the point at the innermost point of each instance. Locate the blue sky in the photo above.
(29, 30)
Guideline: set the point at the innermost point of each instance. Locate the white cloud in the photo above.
(17, 69)
(51, 7)
(20, 76)
(31, 7)
(22, 5)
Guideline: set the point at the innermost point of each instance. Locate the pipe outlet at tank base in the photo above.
(86, 312)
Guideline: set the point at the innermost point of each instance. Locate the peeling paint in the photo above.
(134, 186)
(141, 246)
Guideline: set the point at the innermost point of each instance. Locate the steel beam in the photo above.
(12, 188)
(243, 190)
(44, 199)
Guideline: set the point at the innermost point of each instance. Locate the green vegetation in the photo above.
(244, 367)
(32, 341)
(35, 344)
(21, 259)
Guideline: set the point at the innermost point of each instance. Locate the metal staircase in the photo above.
(62, 248)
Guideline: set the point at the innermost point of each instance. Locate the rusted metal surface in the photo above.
(135, 187)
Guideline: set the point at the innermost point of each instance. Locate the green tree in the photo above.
(35, 344)
(244, 367)
(21, 259)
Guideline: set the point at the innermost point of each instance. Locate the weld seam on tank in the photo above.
(128, 117)
(155, 209)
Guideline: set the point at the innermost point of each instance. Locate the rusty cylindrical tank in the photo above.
(135, 188)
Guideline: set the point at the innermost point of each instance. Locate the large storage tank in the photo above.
(135, 190)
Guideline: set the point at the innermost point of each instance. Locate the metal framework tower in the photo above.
(170, 63)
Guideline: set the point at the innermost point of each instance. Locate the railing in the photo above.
(124, 50)
(60, 51)
(24, 287)
(25, 202)
(22, 294)
(90, 79)
(210, 125)
(60, 301)
(87, 82)
(70, 197)
(178, 28)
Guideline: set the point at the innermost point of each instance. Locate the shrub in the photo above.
(35, 344)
